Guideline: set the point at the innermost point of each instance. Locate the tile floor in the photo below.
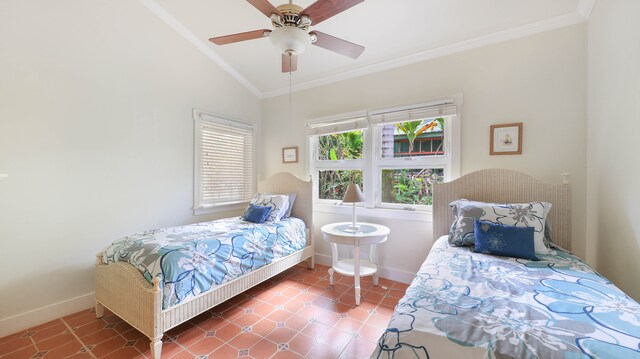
(294, 315)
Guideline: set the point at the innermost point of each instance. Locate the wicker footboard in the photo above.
(121, 288)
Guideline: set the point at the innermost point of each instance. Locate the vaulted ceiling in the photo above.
(395, 33)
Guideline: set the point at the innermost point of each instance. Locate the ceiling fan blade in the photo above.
(289, 63)
(342, 47)
(265, 7)
(321, 10)
(243, 36)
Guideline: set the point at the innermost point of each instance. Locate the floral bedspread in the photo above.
(463, 304)
(194, 258)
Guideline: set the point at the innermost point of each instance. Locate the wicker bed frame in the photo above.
(121, 288)
(505, 186)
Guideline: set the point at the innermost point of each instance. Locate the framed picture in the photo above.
(506, 139)
(290, 154)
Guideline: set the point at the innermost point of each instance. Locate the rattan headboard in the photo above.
(505, 186)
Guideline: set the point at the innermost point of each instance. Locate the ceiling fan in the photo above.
(291, 33)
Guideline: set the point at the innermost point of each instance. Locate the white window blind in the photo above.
(336, 124)
(224, 161)
(421, 112)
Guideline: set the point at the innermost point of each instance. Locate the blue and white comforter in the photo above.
(463, 304)
(194, 258)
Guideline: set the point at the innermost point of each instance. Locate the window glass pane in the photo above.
(340, 146)
(413, 138)
(333, 184)
(410, 186)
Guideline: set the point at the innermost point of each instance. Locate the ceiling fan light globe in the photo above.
(289, 39)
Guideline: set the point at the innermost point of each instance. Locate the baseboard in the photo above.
(384, 272)
(38, 316)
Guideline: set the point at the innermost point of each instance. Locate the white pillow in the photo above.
(278, 202)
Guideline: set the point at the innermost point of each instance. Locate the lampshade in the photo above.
(353, 194)
(289, 38)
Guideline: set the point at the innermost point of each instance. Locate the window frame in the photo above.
(199, 208)
(372, 163)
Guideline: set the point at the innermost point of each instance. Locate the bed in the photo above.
(152, 304)
(463, 304)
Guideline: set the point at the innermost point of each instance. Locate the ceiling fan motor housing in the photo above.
(290, 40)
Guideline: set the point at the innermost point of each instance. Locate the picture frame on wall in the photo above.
(506, 139)
(290, 154)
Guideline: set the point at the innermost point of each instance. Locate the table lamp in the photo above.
(353, 195)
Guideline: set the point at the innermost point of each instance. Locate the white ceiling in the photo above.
(394, 33)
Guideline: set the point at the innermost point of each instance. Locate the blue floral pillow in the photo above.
(500, 240)
(465, 212)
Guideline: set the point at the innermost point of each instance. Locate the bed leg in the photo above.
(156, 348)
(311, 263)
(99, 310)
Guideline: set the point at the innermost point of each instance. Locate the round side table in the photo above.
(367, 234)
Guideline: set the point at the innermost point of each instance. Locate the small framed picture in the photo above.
(506, 139)
(290, 154)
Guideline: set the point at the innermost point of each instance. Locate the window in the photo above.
(395, 155)
(224, 163)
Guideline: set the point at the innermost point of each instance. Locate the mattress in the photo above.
(463, 304)
(195, 258)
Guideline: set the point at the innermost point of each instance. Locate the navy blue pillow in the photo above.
(257, 214)
(501, 240)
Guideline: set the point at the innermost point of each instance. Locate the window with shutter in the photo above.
(224, 162)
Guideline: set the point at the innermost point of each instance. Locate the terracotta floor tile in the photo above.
(303, 318)
(287, 354)
(264, 327)
(225, 351)
(11, 337)
(302, 344)
(329, 318)
(205, 346)
(124, 353)
(296, 322)
(49, 323)
(324, 351)
(244, 340)
(99, 336)
(133, 334)
(15, 344)
(213, 324)
(108, 346)
(227, 332)
(22, 353)
(360, 347)
(64, 351)
(89, 328)
(371, 333)
(80, 356)
(247, 320)
(54, 342)
(190, 337)
(282, 335)
(80, 320)
(279, 315)
(263, 349)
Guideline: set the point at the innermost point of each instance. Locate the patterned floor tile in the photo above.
(293, 315)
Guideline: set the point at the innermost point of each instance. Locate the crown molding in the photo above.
(159, 11)
(497, 37)
(585, 7)
(581, 14)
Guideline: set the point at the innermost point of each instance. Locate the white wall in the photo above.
(96, 134)
(539, 80)
(614, 149)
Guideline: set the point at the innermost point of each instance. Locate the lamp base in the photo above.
(352, 229)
